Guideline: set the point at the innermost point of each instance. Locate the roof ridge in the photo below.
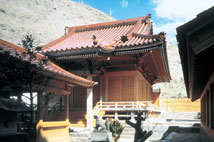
(107, 24)
(88, 28)
(149, 36)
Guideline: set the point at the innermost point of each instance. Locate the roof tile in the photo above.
(105, 34)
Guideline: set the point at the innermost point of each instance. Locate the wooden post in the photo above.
(40, 116)
(90, 105)
(67, 108)
(46, 111)
(71, 99)
(116, 115)
(67, 114)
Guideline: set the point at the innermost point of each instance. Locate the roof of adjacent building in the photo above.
(13, 105)
(195, 42)
(108, 36)
(50, 66)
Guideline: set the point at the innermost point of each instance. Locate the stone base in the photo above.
(101, 136)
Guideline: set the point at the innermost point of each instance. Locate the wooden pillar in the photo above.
(46, 111)
(67, 108)
(71, 99)
(40, 116)
(67, 114)
(90, 105)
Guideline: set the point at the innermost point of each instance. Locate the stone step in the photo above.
(76, 129)
(80, 134)
(126, 140)
(128, 133)
(127, 136)
(79, 139)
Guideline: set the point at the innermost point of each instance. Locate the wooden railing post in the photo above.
(116, 115)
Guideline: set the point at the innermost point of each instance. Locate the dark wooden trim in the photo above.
(208, 130)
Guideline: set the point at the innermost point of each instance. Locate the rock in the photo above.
(46, 21)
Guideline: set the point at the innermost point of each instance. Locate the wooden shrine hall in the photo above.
(124, 57)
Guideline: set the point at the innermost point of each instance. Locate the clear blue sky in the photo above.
(123, 9)
(167, 15)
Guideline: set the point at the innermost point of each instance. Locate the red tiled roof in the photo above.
(50, 66)
(138, 32)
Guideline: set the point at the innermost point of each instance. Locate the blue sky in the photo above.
(167, 15)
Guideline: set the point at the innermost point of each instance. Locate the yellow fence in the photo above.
(180, 105)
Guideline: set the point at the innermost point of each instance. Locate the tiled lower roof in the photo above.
(50, 66)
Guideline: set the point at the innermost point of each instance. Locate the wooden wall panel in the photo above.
(150, 93)
(102, 87)
(80, 96)
(143, 91)
(127, 88)
(114, 88)
(145, 87)
(140, 89)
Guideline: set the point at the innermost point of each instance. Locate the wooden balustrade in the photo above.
(125, 106)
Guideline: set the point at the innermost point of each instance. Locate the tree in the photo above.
(24, 72)
(140, 135)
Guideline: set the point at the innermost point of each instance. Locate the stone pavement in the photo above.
(159, 126)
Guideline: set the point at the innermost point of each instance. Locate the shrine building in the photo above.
(124, 57)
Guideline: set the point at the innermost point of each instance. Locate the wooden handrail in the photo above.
(133, 105)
